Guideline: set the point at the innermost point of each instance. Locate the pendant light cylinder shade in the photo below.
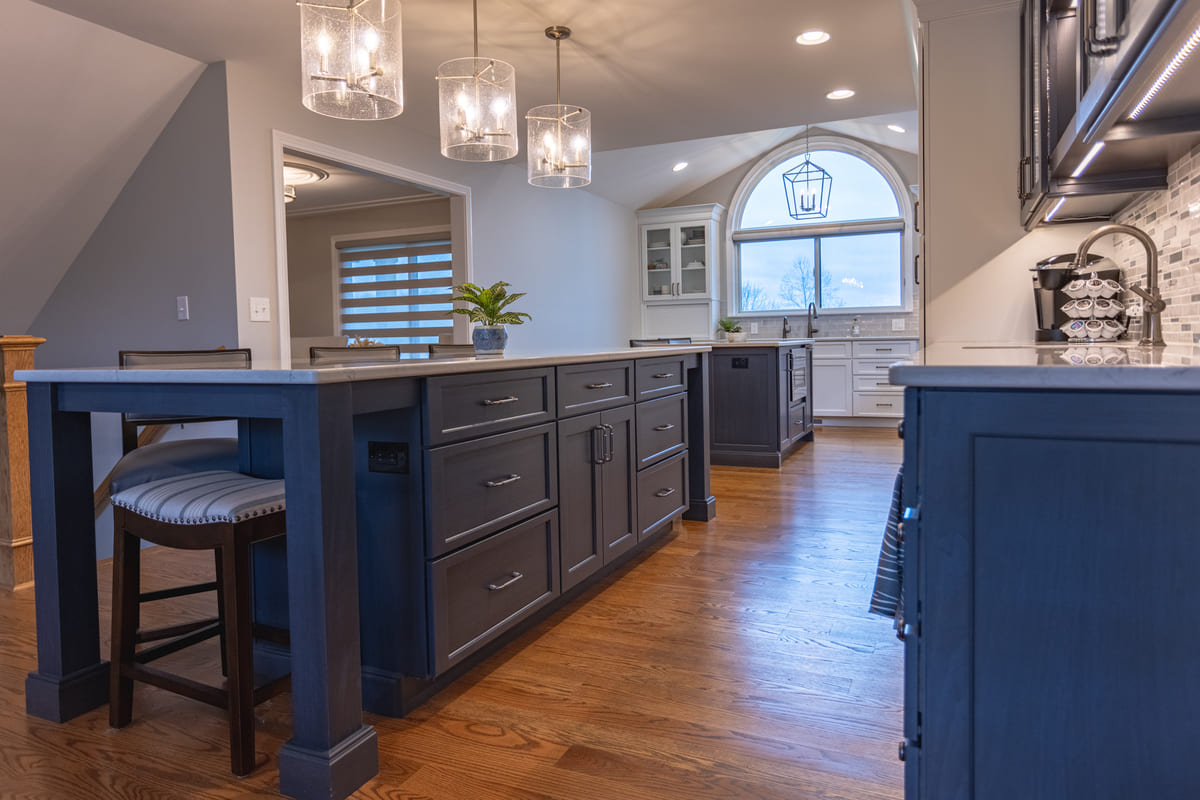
(477, 109)
(560, 146)
(351, 61)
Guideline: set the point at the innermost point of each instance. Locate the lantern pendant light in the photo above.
(808, 188)
(351, 62)
(477, 106)
(560, 137)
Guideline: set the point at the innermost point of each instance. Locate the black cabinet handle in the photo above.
(505, 582)
(610, 443)
(1097, 45)
(664, 493)
(500, 401)
(513, 478)
(666, 426)
(598, 385)
(661, 375)
(598, 444)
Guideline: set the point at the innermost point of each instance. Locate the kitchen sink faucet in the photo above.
(812, 314)
(1153, 304)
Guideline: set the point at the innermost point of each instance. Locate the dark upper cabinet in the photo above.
(596, 490)
(1095, 130)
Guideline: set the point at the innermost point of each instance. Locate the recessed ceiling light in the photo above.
(812, 37)
(680, 166)
(840, 94)
(300, 174)
(894, 128)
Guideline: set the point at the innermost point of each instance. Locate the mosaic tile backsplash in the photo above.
(1172, 218)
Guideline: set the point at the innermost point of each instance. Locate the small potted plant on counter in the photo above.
(732, 329)
(487, 308)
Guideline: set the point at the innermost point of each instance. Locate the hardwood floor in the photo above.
(735, 661)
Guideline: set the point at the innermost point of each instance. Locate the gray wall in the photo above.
(310, 269)
(169, 233)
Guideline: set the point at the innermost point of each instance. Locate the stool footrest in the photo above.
(177, 591)
(205, 629)
(177, 684)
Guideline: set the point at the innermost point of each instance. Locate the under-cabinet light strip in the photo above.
(1050, 214)
(1088, 159)
(1167, 73)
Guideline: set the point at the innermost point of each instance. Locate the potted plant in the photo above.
(487, 308)
(732, 329)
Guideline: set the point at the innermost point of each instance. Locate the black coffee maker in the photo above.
(1050, 276)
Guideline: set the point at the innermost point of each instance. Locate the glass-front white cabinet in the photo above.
(678, 253)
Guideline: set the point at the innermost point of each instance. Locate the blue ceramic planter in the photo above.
(489, 340)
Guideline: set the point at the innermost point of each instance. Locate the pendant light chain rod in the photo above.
(558, 71)
(475, 24)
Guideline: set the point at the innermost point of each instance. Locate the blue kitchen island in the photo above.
(425, 519)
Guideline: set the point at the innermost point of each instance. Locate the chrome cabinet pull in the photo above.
(513, 478)
(508, 581)
(882, 383)
(666, 426)
(599, 445)
(599, 385)
(664, 493)
(883, 349)
(661, 375)
(499, 401)
(610, 443)
(883, 405)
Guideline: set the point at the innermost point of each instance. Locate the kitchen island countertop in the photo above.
(764, 343)
(1120, 366)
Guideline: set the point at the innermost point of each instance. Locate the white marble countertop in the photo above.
(276, 373)
(763, 343)
(1118, 366)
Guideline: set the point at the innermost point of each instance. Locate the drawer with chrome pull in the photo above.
(592, 387)
(875, 366)
(895, 349)
(476, 404)
(475, 488)
(657, 377)
(485, 589)
(878, 404)
(875, 383)
(661, 429)
(662, 493)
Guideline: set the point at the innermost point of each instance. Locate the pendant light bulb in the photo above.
(351, 62)
(477, 106)
(559, 136)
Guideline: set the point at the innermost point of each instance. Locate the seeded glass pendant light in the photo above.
(560, 137)
(477, 106)
(351, 62)
(807, 188)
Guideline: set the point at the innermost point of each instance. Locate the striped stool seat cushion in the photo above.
(200, 498)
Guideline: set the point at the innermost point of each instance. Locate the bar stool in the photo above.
(215, 510)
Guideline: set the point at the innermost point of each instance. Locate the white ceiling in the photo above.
(650, 72)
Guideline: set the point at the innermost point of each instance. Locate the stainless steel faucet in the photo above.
(812, 314)
(1152, 302)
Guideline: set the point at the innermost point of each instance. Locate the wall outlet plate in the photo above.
(260, 309)
(181, 308)
(898, 324)
(754, 327)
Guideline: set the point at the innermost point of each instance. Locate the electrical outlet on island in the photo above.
(897, 324)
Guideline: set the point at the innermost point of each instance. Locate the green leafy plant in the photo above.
(730, 325)
(489, 304)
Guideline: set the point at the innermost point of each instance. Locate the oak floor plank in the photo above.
(736, 660)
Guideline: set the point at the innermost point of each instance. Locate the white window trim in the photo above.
(771, 160)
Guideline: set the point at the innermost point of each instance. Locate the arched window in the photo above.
(851, 260)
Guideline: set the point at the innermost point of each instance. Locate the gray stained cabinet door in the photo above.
(597, 505)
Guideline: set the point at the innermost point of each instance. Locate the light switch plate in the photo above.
(897, 324)
(754, 327)
(181, 308)
(260, 309)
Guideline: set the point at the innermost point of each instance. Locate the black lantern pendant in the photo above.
(807, 188)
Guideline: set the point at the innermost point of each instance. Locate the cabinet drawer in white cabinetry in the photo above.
(831, 349)
(878, 404)
(874, 383)
(875, 366)
(882, 349)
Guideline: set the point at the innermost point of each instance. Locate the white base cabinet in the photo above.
(850, 377)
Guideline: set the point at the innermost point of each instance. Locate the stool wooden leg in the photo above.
(239, 643)
(221, 610)
(126, 587)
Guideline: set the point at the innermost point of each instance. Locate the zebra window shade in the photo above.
(396, 290)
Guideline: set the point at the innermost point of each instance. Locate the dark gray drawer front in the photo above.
(661, 429)
(462, 406)
(657, 377)
(662, 493)
(483, 485)
(591, 387)
(486, 588)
